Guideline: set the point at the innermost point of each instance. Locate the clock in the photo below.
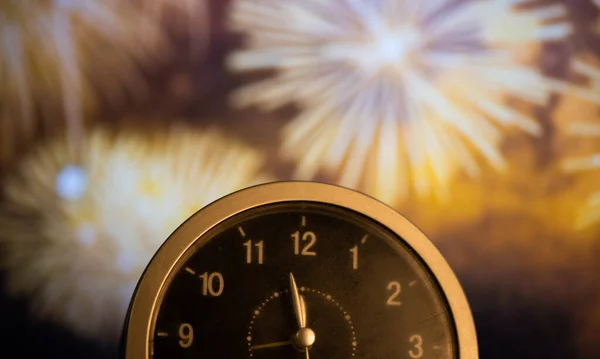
(298, 270)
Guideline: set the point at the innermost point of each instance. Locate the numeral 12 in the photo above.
(309, 237)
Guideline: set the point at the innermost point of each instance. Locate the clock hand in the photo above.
(298, 302)
(304, 338)
(271, 345)
(303, 311)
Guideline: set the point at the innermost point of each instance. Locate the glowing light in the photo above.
(75, 240)
(393, 94)
(71, 183)
(55, 54)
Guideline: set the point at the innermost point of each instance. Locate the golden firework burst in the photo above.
(76, 239)
(54, 54)
(591, 213)
(393, 94)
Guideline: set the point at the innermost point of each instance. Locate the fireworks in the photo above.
(506, 25)
(591, 213)
(56, 53)
(393, 93)
(76, 238)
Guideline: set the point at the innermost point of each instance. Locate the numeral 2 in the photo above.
(395, 288)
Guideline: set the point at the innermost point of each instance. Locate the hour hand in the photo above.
(302, 312)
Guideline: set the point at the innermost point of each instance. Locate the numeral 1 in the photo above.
(260, 249)
(354, 251)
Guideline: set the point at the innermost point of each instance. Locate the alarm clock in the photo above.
(298, 270)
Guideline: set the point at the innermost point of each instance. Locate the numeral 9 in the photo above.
(186, 335)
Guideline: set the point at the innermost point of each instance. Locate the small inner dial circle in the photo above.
(329, 321)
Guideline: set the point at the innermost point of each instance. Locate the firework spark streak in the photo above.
(393, 93)
(52, 51)
(591, 213)
(76, 239)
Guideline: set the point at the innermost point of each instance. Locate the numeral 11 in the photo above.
(260, 249)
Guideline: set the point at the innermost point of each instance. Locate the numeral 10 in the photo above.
(212, 284)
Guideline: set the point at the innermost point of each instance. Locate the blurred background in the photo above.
(479, 120)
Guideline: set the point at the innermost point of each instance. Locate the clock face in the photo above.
(299, 279)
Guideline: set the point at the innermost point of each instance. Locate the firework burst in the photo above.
(76, 239)
(507, 25)
(591, 213)
(393, 94)
(56, 53)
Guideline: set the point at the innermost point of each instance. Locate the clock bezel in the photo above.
(139, 323)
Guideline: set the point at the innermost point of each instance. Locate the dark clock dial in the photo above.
(298, 280)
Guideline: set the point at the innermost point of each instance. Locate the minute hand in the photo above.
(298, 302)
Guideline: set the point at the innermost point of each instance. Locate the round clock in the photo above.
(298, 270)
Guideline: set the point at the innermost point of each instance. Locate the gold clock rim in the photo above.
(141, 315)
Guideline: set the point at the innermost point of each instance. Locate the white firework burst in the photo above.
(507, 24)
(393, 93)
(76, 239)
(591, 213)
(54, 54)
